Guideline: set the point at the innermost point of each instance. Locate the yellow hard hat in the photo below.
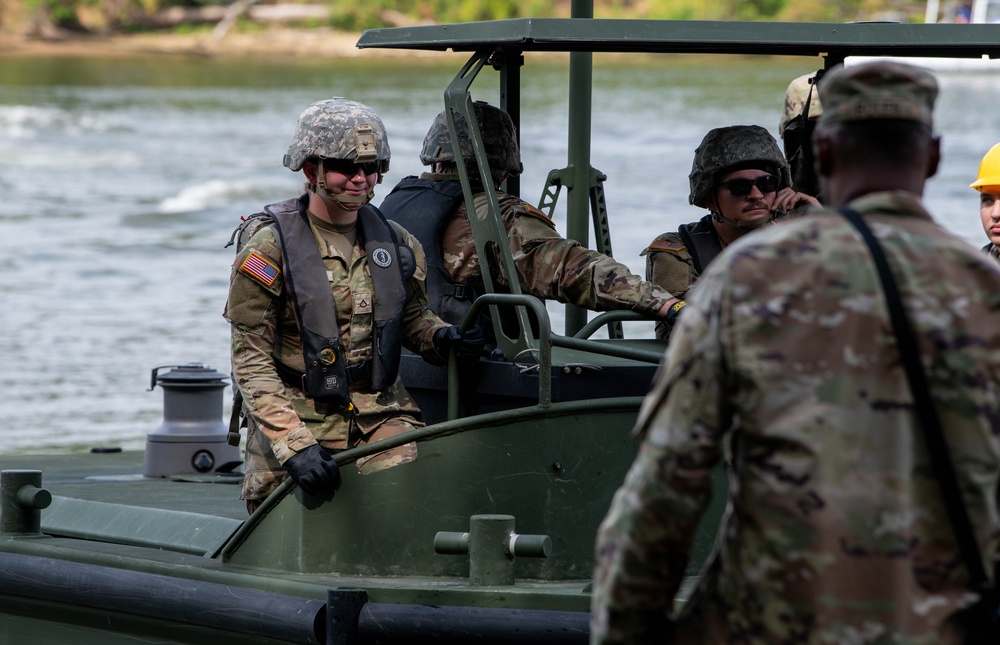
(989, 169)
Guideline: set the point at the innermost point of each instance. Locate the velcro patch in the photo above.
(260, 268)
(664, 245)
(531, 210)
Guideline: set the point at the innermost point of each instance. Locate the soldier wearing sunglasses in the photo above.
(740, 175)
(323, 294)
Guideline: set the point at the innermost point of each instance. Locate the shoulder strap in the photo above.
(701, 241)
(937, 447)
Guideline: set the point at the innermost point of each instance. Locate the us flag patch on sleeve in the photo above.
(260, 268)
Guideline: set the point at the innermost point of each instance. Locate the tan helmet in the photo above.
(989, 169)
(339, 128)
(499, 137)
(729, 147)
(795, 101)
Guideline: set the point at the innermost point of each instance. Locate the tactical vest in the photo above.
(702, 242)
(422, 207)
(327, 377)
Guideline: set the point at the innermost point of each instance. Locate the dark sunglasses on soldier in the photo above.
(350, 168)
(741, 187)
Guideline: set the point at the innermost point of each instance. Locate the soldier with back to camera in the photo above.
(548, 265)
(786, 366)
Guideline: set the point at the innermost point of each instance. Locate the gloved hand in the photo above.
(314, 470)
(674, 312)
(468, 346)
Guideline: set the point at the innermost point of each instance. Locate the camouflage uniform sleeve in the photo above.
(419, 322)
(556, 268)
(669, 264)
(253, 306)
(644, 542)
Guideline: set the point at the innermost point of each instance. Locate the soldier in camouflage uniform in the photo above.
(741, 177)
(548, 265)
(798, 120)
(988, 185)
(314, 375)
(784, 363)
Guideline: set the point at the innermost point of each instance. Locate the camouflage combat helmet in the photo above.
(339, 128)
(724, 148)
(499, 137)
(800, 90)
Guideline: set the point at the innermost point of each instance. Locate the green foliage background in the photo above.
(129, 15)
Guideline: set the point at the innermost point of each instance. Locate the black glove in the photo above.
(674, 312)
(314, 470)
(468, 346)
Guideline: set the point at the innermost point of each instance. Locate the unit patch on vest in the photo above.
(363, 302)
(260, 268)
(381, 257)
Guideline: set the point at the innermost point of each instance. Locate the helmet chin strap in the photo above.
(338, 198)
(722, 219)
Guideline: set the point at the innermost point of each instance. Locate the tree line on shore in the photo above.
(54, 18)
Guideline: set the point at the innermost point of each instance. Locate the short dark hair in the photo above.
(882, 141)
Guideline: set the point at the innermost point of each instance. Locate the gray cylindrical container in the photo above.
(192, 437)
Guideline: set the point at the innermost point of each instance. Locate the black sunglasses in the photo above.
(350, 168)
(741, 187)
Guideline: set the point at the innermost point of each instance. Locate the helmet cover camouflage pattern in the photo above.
(499, 137)
(339, 128)
(795, 101)
(735, 145)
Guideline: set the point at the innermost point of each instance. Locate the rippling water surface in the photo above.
(121, 181)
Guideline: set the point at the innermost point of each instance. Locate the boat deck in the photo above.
(117, 477)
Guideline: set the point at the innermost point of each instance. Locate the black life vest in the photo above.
(422, 206)
(702, 242)
(327, 377)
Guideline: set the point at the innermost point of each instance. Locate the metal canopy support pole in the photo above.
(488, 232)
(510, 101)
(581, 68)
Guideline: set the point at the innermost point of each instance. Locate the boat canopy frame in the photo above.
(835, 41)
(503, 43)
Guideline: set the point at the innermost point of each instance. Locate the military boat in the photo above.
(488, 537)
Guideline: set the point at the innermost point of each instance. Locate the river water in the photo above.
(121, 181)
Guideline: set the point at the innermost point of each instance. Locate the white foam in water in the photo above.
(30, 121)
(25, 121)
(195, 198)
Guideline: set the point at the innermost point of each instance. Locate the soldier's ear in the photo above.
(309, 168)
(934, 156)
(822, 156)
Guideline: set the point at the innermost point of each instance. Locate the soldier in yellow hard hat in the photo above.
(988, 185)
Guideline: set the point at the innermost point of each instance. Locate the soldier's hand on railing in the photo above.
(468, 345)
(314, 470)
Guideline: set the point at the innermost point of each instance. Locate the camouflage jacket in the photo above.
(548, 265)
(785, 366)
(992, 250)
(264, 325)
(669, 264)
